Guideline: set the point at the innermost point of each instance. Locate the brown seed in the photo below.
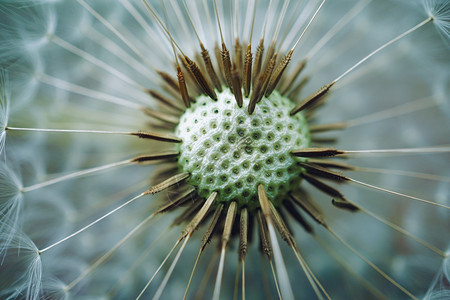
(289, 81)
(237, 87)
(145, 158)
(327, 127)
(226, 62)
(331, 164)
(316, 152)
(258, 60)
(267, 74)
(293, 211)
(199, 217)
(212, 225)
(307, 205)
(165, 100)
(247, 76)
(265, 244)
(323, 172)
(169, 80)
(344, 205)
(167, 183)
(238, 55)
(156, 136)
(228, 225)
(210, 68)
(276, 76)
(200, 78)
(323, 187)
(312, 99)
(243, 234)
(183, 88)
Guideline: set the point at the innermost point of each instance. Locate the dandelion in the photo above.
(224, 149)
(21, 255)
(10, 198)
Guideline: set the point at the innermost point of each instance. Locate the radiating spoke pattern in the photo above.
(214, 149)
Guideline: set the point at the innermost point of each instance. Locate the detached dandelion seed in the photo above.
(196, 149)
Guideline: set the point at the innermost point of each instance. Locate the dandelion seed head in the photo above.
(56, 289)
(74, 69)
(26, 35)
(243, 150)
(20, 253)
(11, 199)
(20, 91)
(439, 10)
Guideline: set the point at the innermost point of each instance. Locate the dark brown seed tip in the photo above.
(308, 206)
(174, 180)
(243, 233)
(211, 228)
(146, 158)
(226, 62)
(247, 76)
(292, 78)
(322, 186)
(237, 87)
(255, 95)
(210, 68)
(332, 164)
(156, 136)
(293, 211)
(316, 152)
(342, 203)
(200, 78)
(327, 127)
(168, 79)
(183, 88)
(324, 172)
(276, 76)
(312, 99)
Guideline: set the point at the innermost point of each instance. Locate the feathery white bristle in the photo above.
(439, 10)
(29, 31)
(19, 252)
(10, 200)
(4, 107)
(439, 287)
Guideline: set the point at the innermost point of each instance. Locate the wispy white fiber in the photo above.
(440, 11)
(439, 289)
(4, 108)
(10, 200)
(22, 255)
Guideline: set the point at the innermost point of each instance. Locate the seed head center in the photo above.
(227, 150)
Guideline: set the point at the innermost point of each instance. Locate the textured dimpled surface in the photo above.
(229, 151)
